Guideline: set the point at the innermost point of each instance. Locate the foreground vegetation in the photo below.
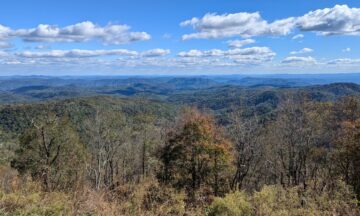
(110, 156)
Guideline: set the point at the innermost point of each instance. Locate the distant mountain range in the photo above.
(176, 88)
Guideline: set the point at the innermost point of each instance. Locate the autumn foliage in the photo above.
(302, 161)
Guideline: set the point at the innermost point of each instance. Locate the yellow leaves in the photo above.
(28, 199)
(274, 200)
(233, 204)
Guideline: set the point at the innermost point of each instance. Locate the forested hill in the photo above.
(260, 98)
(221, 101)
(171, 89)
(178, 146)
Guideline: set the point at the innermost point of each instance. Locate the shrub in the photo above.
(35, 203)
(149, 197)
(274, 200)
(233, 204)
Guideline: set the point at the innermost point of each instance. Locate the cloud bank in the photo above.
(78, 53)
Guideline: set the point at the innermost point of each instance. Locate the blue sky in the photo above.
(178, 37)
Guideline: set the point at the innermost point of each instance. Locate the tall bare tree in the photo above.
(107, 133)
(247, 140)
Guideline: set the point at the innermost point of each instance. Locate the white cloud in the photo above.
(249, 51)
(199, 53)
(217, 52)
(78, 53)
(238, 24)
(251, 55)
(298, 36)
(4, 32)
(239, 43)
(75, 53)
(339, 20)
(232, 61)
(344, 61)
(191, 53)
(80, 32)
(299, 59)
(302, 51)
(348, 49)
(155, 52)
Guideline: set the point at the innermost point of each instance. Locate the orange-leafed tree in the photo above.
(196, 155)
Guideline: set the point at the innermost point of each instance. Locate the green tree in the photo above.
(51, 152)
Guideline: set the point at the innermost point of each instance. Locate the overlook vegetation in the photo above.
(178, 146)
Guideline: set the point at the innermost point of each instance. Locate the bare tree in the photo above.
(293, 137)
(246, 137)
(107, 133)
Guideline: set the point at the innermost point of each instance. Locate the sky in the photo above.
(163, 37)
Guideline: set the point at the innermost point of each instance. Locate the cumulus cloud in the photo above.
(249, 51)
(251, 55)
(217, 52)
(80, 32)
(298, 36)
(339, 20)
(191, 53)
(299, 59)
(238, 24)
(239, 43)
(4, 32)
(348, 49)
(302, 51)
(155, 52)
(199, 53)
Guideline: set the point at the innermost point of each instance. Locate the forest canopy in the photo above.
(281, 152)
